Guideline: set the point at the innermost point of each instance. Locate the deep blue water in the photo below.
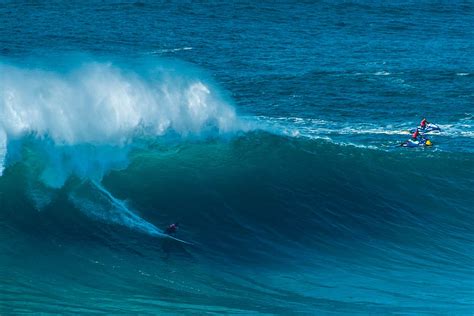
(270, 131)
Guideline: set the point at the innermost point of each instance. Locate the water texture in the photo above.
(270, 131)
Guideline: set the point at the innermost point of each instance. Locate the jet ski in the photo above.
(417, 143)
(429, 128)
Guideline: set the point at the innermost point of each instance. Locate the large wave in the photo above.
(287, 204)
(85, 119)
(276, 188)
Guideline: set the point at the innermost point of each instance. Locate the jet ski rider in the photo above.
(424, 123)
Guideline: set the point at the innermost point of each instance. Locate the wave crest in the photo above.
(85, 120)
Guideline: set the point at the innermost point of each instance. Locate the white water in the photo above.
(85, 121)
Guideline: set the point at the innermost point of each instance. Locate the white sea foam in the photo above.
(169, 50)
(99, 103)
(321, 129)
(86, 119)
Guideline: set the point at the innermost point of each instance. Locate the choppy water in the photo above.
(269, 131)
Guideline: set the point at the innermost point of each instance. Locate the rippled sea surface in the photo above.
(270, 131)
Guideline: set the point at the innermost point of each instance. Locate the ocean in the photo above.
(270, 131)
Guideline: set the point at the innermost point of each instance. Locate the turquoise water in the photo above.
(270, 131)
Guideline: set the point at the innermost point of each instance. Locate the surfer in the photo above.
(172, 229)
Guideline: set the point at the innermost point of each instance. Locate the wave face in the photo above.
(276, 224)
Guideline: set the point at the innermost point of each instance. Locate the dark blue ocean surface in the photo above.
(270, 131)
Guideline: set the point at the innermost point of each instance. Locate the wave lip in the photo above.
(95, 112)
(102, 103)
